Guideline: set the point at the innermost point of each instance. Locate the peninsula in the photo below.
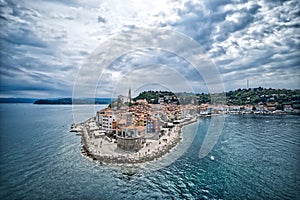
(134, 131)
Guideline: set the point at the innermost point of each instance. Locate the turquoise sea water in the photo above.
(256, 157)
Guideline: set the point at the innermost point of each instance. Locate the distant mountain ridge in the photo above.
(17, 100)
(74, 101)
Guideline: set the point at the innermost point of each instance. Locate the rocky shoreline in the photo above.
(126, 160)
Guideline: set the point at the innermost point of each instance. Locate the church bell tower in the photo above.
(129, 95)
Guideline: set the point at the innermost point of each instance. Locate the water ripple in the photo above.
(256, 157)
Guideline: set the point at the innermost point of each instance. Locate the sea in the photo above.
(254, 157)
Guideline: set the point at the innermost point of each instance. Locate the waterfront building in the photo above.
(203, 110)
(106, 120)
(98, 114)
(296, 104)
(271, 107)
(287, 108)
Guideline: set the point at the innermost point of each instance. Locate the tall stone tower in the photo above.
(129, 95)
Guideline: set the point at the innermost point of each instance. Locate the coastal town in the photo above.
(134, 132)
(144, 129)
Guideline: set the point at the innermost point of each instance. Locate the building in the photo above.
(150, 125)
(288, 108)
(122, 99)
(140, 119)
(153, 125)
(106, 120)
(142, 101)
(271, 107)
(131, 138)
(129, 119)
(203, 110)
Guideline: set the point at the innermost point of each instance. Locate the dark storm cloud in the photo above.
(44, 44)
(31, 55)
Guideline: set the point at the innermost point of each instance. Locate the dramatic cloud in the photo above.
(258, 40)
(44, 44)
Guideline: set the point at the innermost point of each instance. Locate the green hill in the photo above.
(237, 97)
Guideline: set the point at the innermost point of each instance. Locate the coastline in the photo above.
(117, 156)
(106, 151)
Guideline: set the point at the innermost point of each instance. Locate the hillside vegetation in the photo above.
(237, 97)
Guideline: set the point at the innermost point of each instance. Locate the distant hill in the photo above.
(74, 101)
(155, 96)
(237, 97)
(17, 100)
(262, 95)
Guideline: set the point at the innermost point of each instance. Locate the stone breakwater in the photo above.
(117, 156)
(129, 160)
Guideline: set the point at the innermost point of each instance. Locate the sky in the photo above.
(52, 48)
